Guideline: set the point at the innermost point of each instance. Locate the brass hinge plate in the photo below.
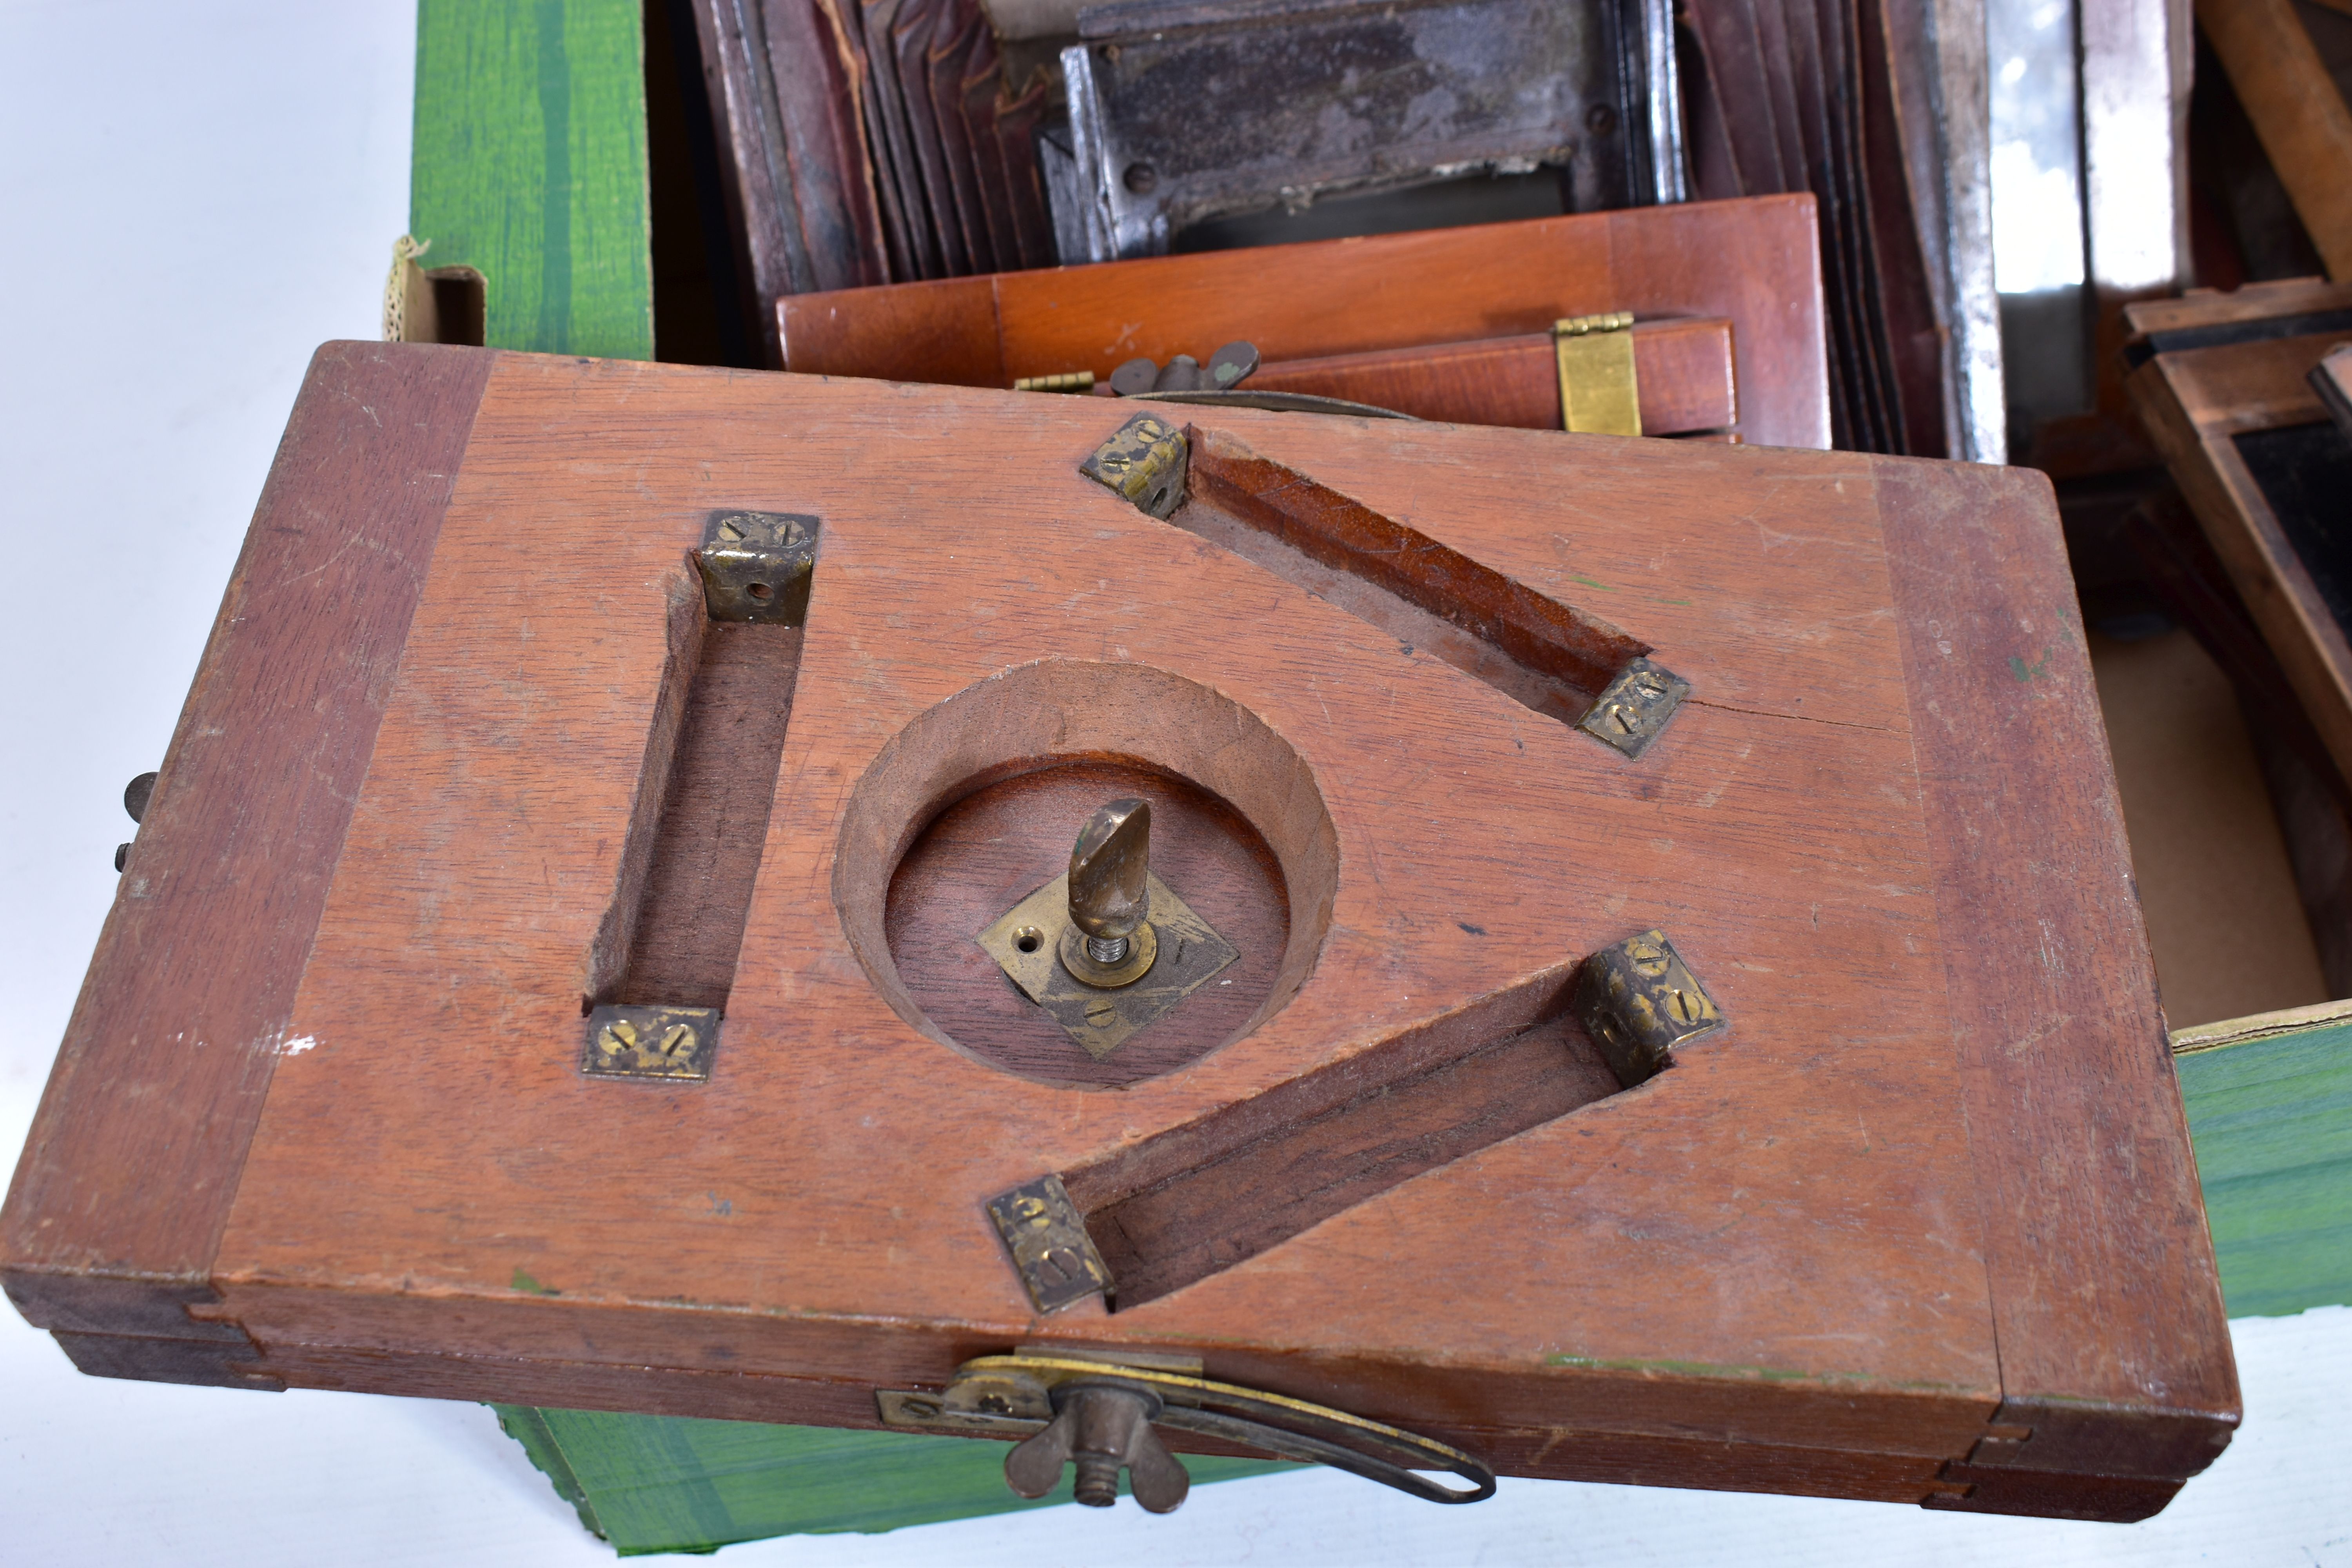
(757, 566)
(1143, 460)
(1639, 999)
(1051, 1249)
(672, 1043)
(1634, 707)
(1598, 391)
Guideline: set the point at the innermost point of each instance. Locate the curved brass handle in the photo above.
(1032, 1392)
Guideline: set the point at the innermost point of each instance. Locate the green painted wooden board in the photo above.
(660, 1483)
(529, 165)
(2270, 1110)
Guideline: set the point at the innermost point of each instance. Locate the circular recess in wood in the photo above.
(993, 848)
(974, 805)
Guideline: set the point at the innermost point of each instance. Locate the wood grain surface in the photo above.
(1754, 262)
(168, 1056)
(703, 856)
(1929, 1190)
(2107, 1305)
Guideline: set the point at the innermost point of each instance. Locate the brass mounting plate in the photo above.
(1639, 999)
(1048, 1238)
(1144, 460)
(627, 1041)
(1026, 944)
(1635, 706)
(757, 565)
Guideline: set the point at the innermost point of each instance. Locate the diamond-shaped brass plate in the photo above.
(1026, 941)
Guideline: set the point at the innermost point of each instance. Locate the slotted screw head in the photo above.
(1109, 897)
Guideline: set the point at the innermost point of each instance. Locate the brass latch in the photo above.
(1098, 1412)
(1598, 394)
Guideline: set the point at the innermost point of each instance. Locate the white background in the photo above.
(194, 194)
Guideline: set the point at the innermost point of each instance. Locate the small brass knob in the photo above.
(1109, 898)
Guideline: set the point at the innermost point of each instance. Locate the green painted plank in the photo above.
(2269, 1112)
(529, 165)
(660, 1483)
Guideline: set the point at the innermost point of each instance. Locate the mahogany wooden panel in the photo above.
(1925, 1204)
(169, 1053)
(1754, 261)
(1682, 372)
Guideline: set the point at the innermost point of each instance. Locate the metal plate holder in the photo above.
(1186, 111)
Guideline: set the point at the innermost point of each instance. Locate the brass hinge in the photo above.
(1068, 381)
(1598, 394)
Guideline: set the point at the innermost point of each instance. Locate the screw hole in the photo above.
(1028, 939)
(760, 591)
(1141, 178)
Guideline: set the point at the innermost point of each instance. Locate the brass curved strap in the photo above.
(1313, 1433)
(1277, 402)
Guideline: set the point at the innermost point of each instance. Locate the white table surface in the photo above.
(192, 195)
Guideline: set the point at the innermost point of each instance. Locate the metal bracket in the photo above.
(1144, 460)
(1029, 1394)
(1048, 1238)
(1184, 954)
(1638, 1001)
(629, 1041)
(757, 566)
(1632, 709)
(1598, 392)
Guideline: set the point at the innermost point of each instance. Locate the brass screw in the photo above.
(730, 531)
(618, 1037)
